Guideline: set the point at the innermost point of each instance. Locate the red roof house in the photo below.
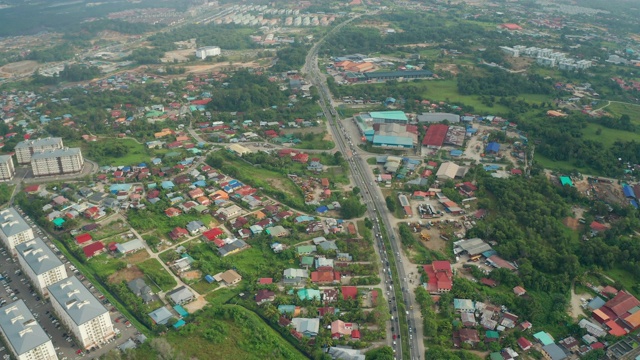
(620, 305)
(301, 158)
(265, 281)
(212, 234)
(178, 232)
(81, 239)
(94, 249)
(597, 227)
(171, 212)
(349, 292)
(440, 276)
(324, 275)
(524, 344)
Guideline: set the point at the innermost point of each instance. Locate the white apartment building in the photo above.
(14, 229)
(204, 52)
(81, 312)
(25, 337)
(7, 170)
(25, 149)
(57, 162)
(40, 263)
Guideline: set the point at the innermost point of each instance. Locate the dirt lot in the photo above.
(519, 63)
(126, 274)
(137, 257)
(19, 68)
(576, 310)
(196, 305)
(571, 223)
(451, 68)
(418, 45)
(227, 64)
(192, 275)
(177, 55)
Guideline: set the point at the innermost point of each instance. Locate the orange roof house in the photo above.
(511, 27)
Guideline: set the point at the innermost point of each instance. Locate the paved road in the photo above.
(375, 205)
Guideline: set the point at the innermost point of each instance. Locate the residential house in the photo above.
(230, 277)
(294, 276)
(524, 344)
(178, 233)
(340, 329)
(349, 292)
(306, 327)
(440, 277)
(195, 227)
(325, 275)
(181, 295)
(264, 296)
(553, 352)
(141, 290)
(233, 247)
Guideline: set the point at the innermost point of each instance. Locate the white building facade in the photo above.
(42, 266)
(25, 149)
(7, 170)
(57, 162)
(81, 312)
(14, 229)
(25, 337)
(206, 51)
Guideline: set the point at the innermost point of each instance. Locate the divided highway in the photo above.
(394, 273)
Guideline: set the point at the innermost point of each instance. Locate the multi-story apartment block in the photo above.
(40, 263)
(57, 162)
(24, 336)
(7, 170)
(81, 312)
(13, 229)
(25, 149)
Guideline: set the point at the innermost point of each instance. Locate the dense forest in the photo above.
(290, 58)
(526, 225)
(501, 83)
(246, 91)
(228, 37)
(564, 141)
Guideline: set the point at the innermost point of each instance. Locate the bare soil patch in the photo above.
(451, 68)
(226, 64)
(126, 274)
(571, 223)
(519, 63)
(192, 275)
(196, 305)
(137, 257)
(19, 68)
(177, 55)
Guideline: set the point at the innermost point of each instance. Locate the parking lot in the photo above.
(16, 285)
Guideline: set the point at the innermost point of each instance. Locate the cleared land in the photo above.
(19, 68)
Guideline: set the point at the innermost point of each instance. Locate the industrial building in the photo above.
(395, 136)
(81, 312)
(206, 51)
(389, 117)
(398, 75)
(14, 229)
(438, 117)
(25, 149)
(40, 263)
(434, 138)
(57, 162)
(24, 336)
(7, 170)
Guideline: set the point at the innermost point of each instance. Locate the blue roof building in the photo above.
(167, 185)
(492, 148)
(209, 279)
(628, 191)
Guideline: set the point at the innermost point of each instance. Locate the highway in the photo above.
(377, 211)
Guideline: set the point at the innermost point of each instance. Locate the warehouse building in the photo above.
(40, 263)
(81, 312)
(434, 138)
(395, 136)
(14, 229)
(24, 336)
(7, 170)
(25, 149)
(438, 117)
(389, 117)
(57, 162)
(398, 75)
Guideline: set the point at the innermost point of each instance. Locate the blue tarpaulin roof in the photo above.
(491, 167)
(628, 191)
(633, 203)
(493, 147)
(322, 209)
(209, 278)
(181, 311)
(119, 187)
(180, 323)
(456, 153)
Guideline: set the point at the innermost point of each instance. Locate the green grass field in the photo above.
(618, 109)
(245, 336)
(625, 278)
(607, 136)
(136, 154)
(562, 166)
(154, 270)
